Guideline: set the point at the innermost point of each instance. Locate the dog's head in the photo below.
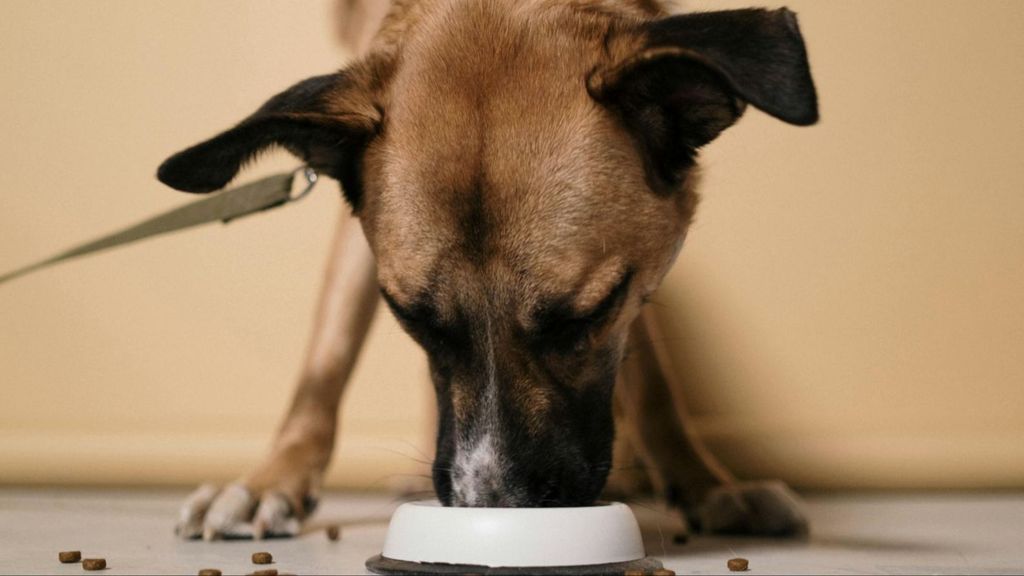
(524, 173)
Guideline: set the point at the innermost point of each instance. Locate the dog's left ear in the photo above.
(694, 74)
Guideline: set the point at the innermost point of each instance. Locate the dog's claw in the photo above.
(209, 535)
(190, 518)
(274, 517)
(228, 514)
(190, 531)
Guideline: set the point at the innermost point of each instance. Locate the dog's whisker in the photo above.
(415, 496)
(426, 462)
(658, 304)
(417, 449)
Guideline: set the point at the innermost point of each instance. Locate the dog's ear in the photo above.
(693, 75)
(325, 121)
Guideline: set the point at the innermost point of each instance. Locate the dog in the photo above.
(521, 175)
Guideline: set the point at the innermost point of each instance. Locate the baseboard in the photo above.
(40, 457)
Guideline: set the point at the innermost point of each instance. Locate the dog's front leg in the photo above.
(275, 497)
(680, 466)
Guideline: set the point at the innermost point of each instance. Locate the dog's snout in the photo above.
(521, 424)
(493, 473)
(479, 475)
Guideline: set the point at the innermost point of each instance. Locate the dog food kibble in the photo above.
(209, 572)
(333, 533)
(94, 564)
(738, 565)
(664, 572)
(262, 558)
(270, 572)
(69, 557)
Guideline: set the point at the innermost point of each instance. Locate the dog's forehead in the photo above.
(527, 193)
(496, 158)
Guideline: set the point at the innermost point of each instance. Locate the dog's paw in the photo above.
(236, 512)
(753, 509)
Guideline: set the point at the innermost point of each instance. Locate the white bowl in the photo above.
(426, 532)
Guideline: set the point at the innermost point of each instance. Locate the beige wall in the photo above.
(849, 304)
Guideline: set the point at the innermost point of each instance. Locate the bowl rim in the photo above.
(427, 532)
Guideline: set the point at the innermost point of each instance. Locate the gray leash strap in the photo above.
(229, 205)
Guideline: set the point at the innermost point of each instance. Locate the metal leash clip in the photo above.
(311, 179)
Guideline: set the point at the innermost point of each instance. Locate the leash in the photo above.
(225, 207)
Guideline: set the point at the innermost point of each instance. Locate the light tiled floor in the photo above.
(890, 534)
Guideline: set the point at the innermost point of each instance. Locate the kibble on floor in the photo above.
(209, 572)
(69, 557)
(269, 572)
(738, 565)
(858, 534)
(333, 533)
(262, 558)
(94, 564)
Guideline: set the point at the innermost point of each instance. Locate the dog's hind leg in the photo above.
(281, 491)
(681, 466)
(629, 476)
(678, 463)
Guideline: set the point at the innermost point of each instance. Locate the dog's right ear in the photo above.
(325, 121)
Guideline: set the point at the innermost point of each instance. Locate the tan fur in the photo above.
(568, 153)
(304, 443)
(429, 162)
(485, 121)
(572, 153)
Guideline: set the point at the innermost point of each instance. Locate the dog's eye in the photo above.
(564, 335)
(420, 320)
(561, 328)
(406, 315)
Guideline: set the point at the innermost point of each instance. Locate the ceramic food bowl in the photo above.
(425, 537)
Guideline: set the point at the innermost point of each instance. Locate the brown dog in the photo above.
(524, 173)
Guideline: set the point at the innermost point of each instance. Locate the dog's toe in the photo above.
(193, 512)
(275, 517)
(755, 509)
(230, 514)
